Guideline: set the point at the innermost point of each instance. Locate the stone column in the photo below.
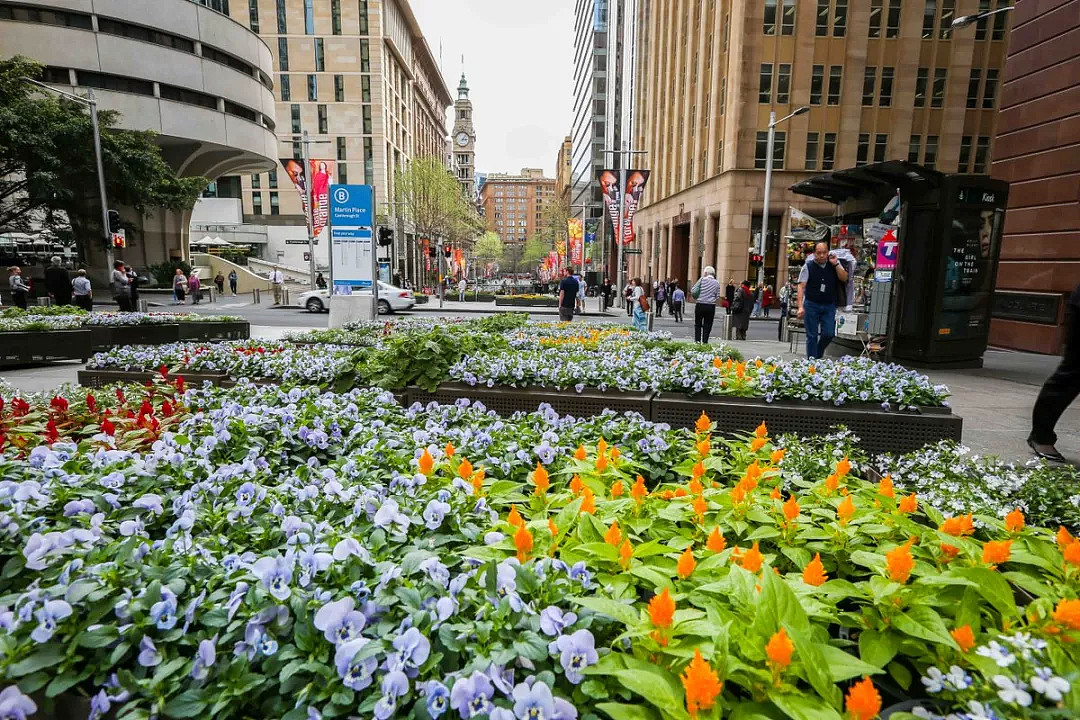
(694, 265)
(710, 241)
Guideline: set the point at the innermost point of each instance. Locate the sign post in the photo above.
(352, 240)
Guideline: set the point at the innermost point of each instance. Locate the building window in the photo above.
(821, 28)
(787, 19)
(839, 28)
(727, 29)
(982, 155)
(990, 89)
(256, 203)
(914, 145)
(836, 79)
(723, 94)
(762, 148)
(869, 85)
(999, 22)
(892, 23)
(365, 57)
(335, 17)
(253, 15)
(811, 150)
(881, 144)
(720, 157)
(875, 19)
(828, 151)
(341, 148)
(365, 88)
(282, 25)
(320, 56)
(922, 80)
(765, 83)
(295, 110)
(980, 27)
(342, 174)
(312, 88)
(973, 88)
(367, 119)
(965, 154)
(769, 24)
(817, 84)
(948, 8)
(885, 99)
(309, 17)
(286, 88)
(863, 151)
(297, 152)
(930, 153)
(272, 176)
(274, 207)
(929, 13)
(940, 77)
(283, 54)
(339, 88)
(783, 84)
(363, 19)
(256, 181)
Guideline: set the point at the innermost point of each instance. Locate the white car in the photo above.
(391, 299)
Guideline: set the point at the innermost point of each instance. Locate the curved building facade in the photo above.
(180, 68)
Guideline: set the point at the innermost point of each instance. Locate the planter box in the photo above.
(515, 302)
(101, 378)
(207, 331)
(421, 299)
(879, 430)
(26, 348)
(105, 337)
(506, 400)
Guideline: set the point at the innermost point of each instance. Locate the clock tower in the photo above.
(464, 139)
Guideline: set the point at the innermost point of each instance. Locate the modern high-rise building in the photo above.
(883, 80)
(563, 169)
(464, 140)
(514, 205)
(360, 79)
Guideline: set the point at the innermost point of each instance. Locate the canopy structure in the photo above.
(207, 241)
(878, 179)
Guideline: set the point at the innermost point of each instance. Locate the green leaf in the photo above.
(844, 666)
(531, 646)
(594, 689)
(625, 614)
(60, 683)
(620, 711)
(900, 674)
(189, 703)
(813, 663)
(878, 647)
(43, 658)
(925, 624)
(803, 707)
(655, 685)
(992, 586)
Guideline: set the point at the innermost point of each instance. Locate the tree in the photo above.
(536, 249)
(433, 201)
(489, 248)
(48, 175)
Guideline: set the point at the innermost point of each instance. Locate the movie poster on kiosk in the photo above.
(322, 175)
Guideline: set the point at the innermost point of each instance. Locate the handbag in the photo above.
(739, 303)
(696, 290)
(644, 302)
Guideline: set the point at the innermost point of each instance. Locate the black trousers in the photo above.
(704, 314)
(19, 298)
(676, 310)
(1061, 388)
(85, 302)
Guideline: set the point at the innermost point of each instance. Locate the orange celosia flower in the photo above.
(716, 542)
(949, 551)
(863, 701)
(964, 637)
(761, 431)
(1067, 613)
(843, 467)
(1064, 537)
(615, 453)
(703, 423)
(686, 564)
(777, 456)
(779, 649)
(791, 508)
(681, 492)
(667, 494)
(601, 447)
(1014, 521)
(702, 685)
(553, 528)
(450, 450)
(958, 526)
(613, 536)
(752, 559)
(704, 446)
(465, 469)
(738, 494)
(478, 482)
(426, 462)
(885, 487)
(541, 479)
(698, 470)
(696, 488)
(908, 504)
(1072, 553)
(576, 485)
(775, 494)
(617, 489)
(832, 482)
(588, 505)
(514, 518)
(523, 541)
(753, 471)
(700, 506)
(601, 462)
(579, 454)
(900, 562)
(740, 370)
(814, 572)
(661, 609)
(845, 510)
(756, 444)
(717, 363)
(626, 551)
(996, 552)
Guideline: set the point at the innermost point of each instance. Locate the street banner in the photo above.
(576, 235)
(590, 240)
(609, 185)
(351, 215)
(322, 174)
(635, 186)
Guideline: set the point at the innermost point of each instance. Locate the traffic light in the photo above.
(114, 221)
(386, 237)
(448, 251)
(756, 259)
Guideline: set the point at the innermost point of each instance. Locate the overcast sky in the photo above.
(519, 65)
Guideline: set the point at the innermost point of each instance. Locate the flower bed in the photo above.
(292, 554)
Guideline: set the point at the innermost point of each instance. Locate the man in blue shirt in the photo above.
(568, 292)
(819, 285)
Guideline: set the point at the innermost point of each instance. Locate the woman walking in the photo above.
(766, 299)
(179, 287)
(660, 297)
(194, 287)
(641, 305)
(707, 291)
(628, 293)
(20, 291)
(741, 309)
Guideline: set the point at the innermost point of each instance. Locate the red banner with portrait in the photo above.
(321, 173)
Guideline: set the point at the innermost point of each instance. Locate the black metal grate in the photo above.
(26, 348)
(101, 378)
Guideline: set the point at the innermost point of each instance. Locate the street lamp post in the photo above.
(965, 20)
(620, 231)
(773, 122)
(310, 211)
(92, 103)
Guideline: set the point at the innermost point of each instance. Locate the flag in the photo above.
(575, 233)
(635, 186)
(317, 194)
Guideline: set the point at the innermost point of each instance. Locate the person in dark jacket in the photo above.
(742, 306)
(133, 286)
(58, 283)
(729, 293)
(821, 282)
(1059, 390)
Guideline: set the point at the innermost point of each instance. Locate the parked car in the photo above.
(391, 299)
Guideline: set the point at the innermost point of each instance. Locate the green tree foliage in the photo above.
(433, 201)
(536, 249)
(489, 248)
(48, 176)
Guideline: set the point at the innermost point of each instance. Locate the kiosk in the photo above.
(932, 307)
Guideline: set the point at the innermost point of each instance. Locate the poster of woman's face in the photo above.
(986, 232)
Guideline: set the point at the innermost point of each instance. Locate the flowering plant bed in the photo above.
(156, 318)
(289, 553)
(545, 301)
(29, 322)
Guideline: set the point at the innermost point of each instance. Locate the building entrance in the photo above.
(680, 254)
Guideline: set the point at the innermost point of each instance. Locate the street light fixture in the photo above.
(92, 103)
(965, 20)
(773, 122)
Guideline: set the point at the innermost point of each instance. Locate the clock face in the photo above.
(463, 139)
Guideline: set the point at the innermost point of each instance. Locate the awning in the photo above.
(878, 179)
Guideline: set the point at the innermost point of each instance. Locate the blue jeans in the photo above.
(640, 321)
(820, 322)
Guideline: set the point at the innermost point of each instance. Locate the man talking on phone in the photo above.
(820, 282)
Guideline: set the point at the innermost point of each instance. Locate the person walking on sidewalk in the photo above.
(628, 293)
(741, 307)
(729, 294)
(20, 291)
(678, 298)
(58, 283)
(660, 297)
(568, 292)
(462, 286)
(179, 287)
(1059, 390)
(219, 280)
(121, 287)
(82, 292)
(707, 292)
(277, 282)
(195, 287)
(766, 299)
(233, 277)
(820, 284)
(641, 305)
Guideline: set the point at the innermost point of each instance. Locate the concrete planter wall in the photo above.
(25, 348)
